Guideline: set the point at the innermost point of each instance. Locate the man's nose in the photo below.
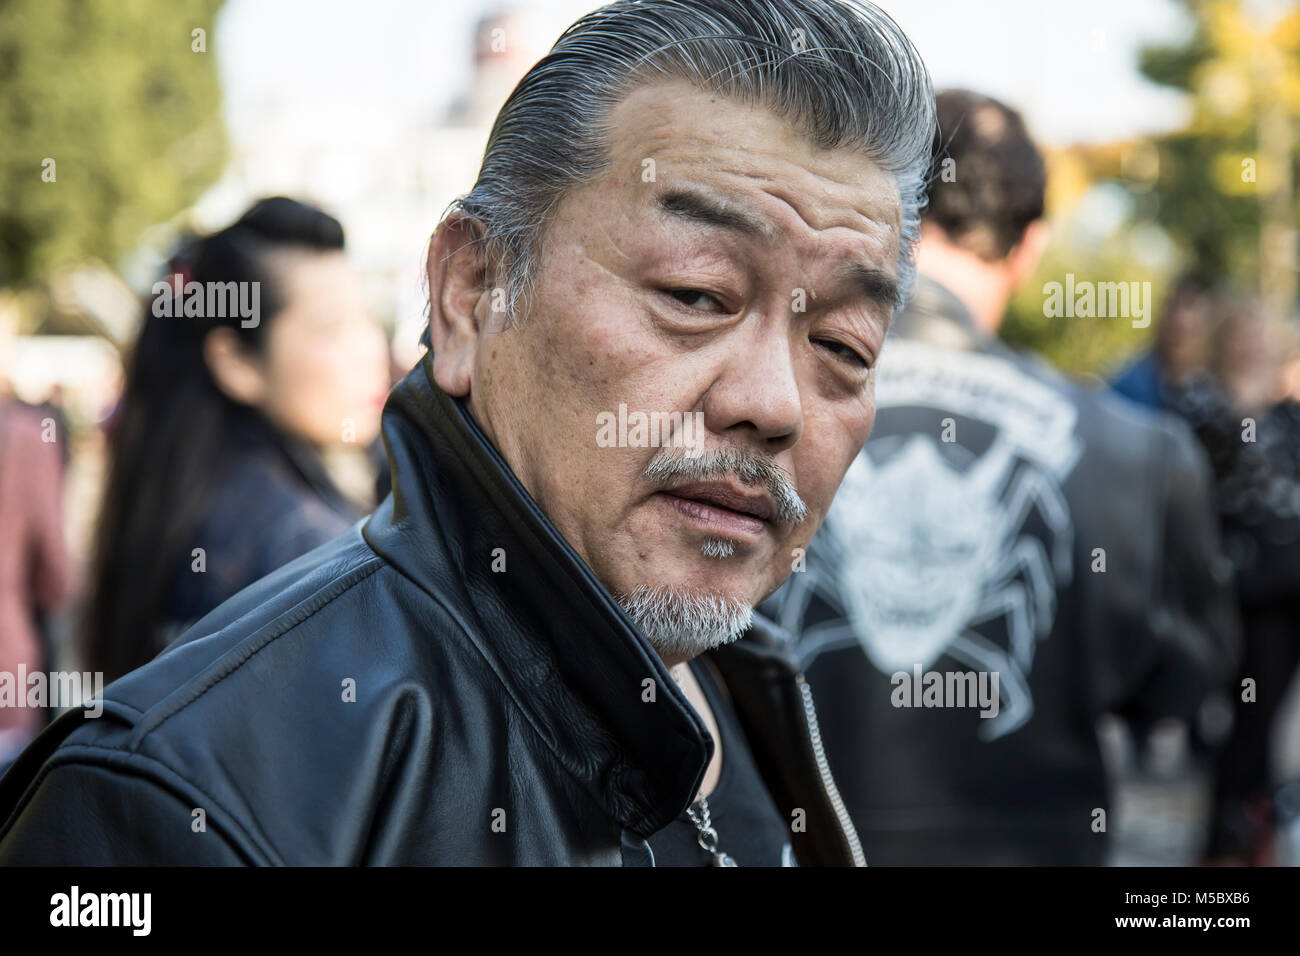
(757, 394)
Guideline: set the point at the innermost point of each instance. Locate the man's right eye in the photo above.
(695, 299)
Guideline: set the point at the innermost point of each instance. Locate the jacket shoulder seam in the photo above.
(239, 655)
(91, 755)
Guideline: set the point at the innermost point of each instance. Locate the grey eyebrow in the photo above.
(876, 284)
(699, 208)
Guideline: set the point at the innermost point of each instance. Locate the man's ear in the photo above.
(234, 367)
(1027, 254)
(457, 284)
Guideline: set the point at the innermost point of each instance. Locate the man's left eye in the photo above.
(695, 299)
(846, 352)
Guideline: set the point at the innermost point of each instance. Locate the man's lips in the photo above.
(722, 508)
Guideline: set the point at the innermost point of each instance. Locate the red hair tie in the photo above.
(182, 274)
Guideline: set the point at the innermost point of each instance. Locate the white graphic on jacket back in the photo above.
(926, 548)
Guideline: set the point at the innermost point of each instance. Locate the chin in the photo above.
(727, 578)
(681, 621)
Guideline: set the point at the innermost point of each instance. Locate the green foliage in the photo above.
(1079, 345)
(1206, 195)
(1175, 65)
(1206, 200)
(114, 93)
(1218, 231)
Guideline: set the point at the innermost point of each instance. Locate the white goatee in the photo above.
(682, 623)
(719, 548)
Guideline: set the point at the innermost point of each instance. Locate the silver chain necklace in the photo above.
(698, 812)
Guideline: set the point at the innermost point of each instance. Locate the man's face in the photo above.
(1186, 341)
(725, 266)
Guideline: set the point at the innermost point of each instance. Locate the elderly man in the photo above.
(1012, 556)
(695, 219)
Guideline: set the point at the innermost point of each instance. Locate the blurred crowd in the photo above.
(1226, 363)
(239, 442)
(223, 464)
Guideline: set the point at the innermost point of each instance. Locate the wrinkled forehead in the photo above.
(668, 131)
(680, 158)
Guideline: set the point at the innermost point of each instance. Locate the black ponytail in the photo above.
(175, 430)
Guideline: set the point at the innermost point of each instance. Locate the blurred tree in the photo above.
(1096, 344)
(1096, 200)
(1226, 183)
(1217, 197)
(110, 122)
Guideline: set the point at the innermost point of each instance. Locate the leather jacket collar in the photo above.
(937, 317)
(553, 636)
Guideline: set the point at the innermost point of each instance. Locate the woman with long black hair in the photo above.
(232, 392)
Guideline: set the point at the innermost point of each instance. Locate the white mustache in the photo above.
(746, 467)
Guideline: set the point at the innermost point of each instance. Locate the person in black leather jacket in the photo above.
(1012, 556)
(629, 425)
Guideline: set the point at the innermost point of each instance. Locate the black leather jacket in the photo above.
(274, 502)
(389, 698)
(1003, 519)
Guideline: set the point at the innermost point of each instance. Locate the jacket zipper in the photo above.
(823, 768)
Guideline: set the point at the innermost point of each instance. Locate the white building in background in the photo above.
(386, 169)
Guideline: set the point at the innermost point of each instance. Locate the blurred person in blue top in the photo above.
(1180, 349)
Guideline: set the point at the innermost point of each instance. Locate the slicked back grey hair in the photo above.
(840, 71)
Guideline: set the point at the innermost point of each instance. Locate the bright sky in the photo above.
(338, 101)
(1069, 65)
